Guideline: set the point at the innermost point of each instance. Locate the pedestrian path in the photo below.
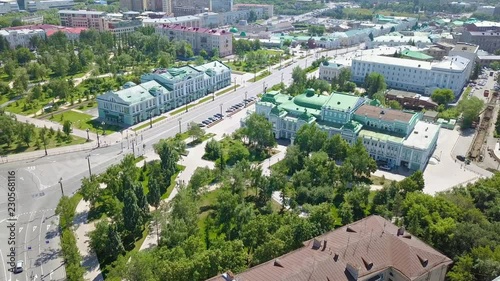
(81, 229)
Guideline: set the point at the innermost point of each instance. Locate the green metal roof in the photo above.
(416, 55)
(380, 136)
(342, 101)
(233, 30)
(310, 100)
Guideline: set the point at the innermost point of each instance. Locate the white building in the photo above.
(396, 39)
(189, 21)
(413, 75)
(8, 6)
(486, 10)
(220, 6)
(21, 37)
(162, 91)
(468, 51)
(330, 70)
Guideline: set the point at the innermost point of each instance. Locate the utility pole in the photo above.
(221, 108)
(282, 77)
(88, 161)
(98, 142)
(88, 137)
(235, 84)
(150, 119)
(62, 190)
(187, 105)
(180, 128)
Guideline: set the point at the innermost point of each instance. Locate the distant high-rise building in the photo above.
(221, 6)
(189, 7)
(133, 5)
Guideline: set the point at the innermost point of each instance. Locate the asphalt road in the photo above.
(38, 188)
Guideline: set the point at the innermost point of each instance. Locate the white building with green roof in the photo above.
(161, 91)
(392, 137)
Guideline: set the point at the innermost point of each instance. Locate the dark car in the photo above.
(461, 158)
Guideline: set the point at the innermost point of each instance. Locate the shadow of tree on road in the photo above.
(51, 234)
(47, 255)
(80, 218)
(90, 262)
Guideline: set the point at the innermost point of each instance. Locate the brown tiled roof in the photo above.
(368, 246)
(385, 114)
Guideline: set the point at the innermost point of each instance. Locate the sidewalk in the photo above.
(81, 229)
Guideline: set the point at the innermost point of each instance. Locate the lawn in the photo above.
(264, 74)
(83, 121)
(148, 123)
(173, 182)
(19, 147)
(3, 99)
(243, 67)
(20, 106)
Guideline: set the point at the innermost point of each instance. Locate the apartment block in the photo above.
(200, 38)
(82, 18)
(371, 249)
(269, 9)
(221, 6)
(414, 75)
(161, 91)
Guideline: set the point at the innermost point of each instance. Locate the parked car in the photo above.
(461, 158)
(201, 125)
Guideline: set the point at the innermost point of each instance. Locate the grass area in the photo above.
(183, 108)
(18, 146)
(207, 202)
(264, 74)
(173, 182)
(146, 124)
(3, 99)
(379, 180)
(21, 107)
(83, 121)
(227, 90)
(244, 67)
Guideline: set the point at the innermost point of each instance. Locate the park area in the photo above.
(83, 121)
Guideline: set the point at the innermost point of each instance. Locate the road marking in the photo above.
(34, 227)
(48, 226)
(20, 229)
(3, 265)
(21, 178)
(40, 239)
(50, 275)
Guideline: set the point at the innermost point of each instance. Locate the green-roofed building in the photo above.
(161, 91)
(392, 137)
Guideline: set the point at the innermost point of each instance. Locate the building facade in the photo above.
(329, 70)
(268, 9)
(21, 37)
(488, 41)
(8, 7)
(161, 91)
(392, 137)
(413, 75)
(468, 51)
(221, 6)
(33, 6)
(189, 21)
(87, 19)
(200, 38)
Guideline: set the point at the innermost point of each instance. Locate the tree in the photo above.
(169, 156)
(370, 36)
(336, 147)
(27, 132)
(90, 190)
(470, 108)
(195, 132)
(299, 77)
(259, 131)
(132, 218)
(360, 159)
(114, 245)
(443, 96)
(394, 104)
(310, 138)
(203, 54)
(374, 83)
(98, 240)
(154, 192)
(213, 150)
(252, 17)
(21, 79)
(67, 128)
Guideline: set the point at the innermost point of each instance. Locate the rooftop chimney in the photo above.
(401, 231)
(324, 245)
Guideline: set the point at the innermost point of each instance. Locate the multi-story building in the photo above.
(21, 37)
(119, 27)
(412, 101)
(392, 137)
(33, 19)
(189, 21)
(162, 91)
(397, 39)
(200, 38)
(87, 19)
(221, 6)
(33, 6)
(189, 7)
(413, 75)
(329, 70)
(487, 40)
(468, 51)
(133, 5)
(268, 9)
(371, 249)
(8, 6)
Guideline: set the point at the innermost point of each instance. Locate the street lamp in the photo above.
(246, 95)
(133, 148)
(221, 108)
(282, 77)
(103, 131)
(88, 137)
(150, 119)
(180, 128)
(62, 190)
(90, 170)
(187, 105)
(44, 143)
(235, 84)
(98, 142)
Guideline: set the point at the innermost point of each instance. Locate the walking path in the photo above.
(81, 228)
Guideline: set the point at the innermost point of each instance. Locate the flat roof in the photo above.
(422, 135)
(81, 12)
(342, 101)
(385, 114)
(380, 136)
(452, 62)
(465, 47)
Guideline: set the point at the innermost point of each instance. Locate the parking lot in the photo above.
(216, 118)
